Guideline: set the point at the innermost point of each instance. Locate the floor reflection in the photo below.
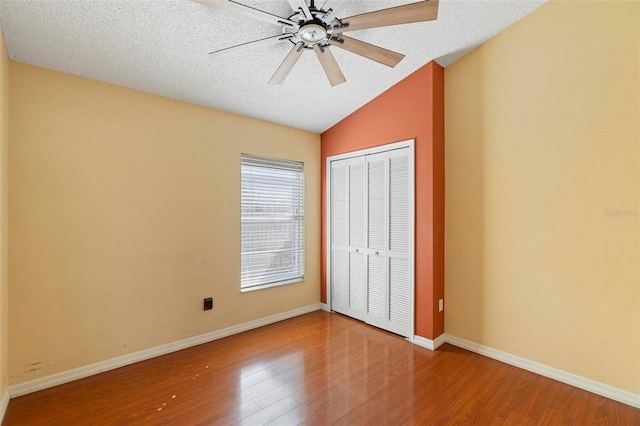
(265, 387)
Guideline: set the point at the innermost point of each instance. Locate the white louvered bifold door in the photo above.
(371, 227)
(339, 237)
(399, 242)
(377, 300)
(357, 238)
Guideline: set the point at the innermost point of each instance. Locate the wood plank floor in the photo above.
(317, 369)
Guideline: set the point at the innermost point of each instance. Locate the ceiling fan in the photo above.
(318, 29)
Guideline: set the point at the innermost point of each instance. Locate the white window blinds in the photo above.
(272, 222)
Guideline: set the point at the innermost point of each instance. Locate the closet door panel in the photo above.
(377, 291)
(376, 240)
(399, 202)
(339, 281)
(376, 201)
(357, 237)
(399, 308)
(399, 242)
(339, 273)
(357, 284)
(357, 224)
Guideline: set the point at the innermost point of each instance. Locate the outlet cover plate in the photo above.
(208, 303)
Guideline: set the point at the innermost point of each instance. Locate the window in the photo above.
(272, 222)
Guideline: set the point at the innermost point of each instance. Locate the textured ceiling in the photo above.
(162, 47)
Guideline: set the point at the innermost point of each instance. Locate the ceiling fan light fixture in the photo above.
(312, 33)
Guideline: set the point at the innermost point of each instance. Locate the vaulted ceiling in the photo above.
(162, 47)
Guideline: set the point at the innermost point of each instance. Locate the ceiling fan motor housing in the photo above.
(314, 31)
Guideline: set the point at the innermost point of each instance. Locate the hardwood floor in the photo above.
(319, 369)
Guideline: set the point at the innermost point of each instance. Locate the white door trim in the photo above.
(409, 143)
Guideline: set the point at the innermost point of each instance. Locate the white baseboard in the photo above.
(325, 307)
(427, 343)
(439, 341)
(598, 388)
(4, 403)
(99, 367)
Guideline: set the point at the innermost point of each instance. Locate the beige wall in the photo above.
(542, 138)
(124, 215)
(4, 170)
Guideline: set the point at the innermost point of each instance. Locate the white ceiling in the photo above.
(162, 46)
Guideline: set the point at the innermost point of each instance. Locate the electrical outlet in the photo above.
(441, 305)
(208, 303)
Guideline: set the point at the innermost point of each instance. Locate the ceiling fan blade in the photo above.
(250, 45)
(369, 51)
(297, 5)
(232, 6)
(285, 67)
(329, 65)
(426, 10)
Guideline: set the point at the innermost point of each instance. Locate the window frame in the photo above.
(249, 184)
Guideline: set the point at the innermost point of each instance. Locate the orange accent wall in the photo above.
(412, 109)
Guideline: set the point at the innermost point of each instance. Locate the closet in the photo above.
(370, 234)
